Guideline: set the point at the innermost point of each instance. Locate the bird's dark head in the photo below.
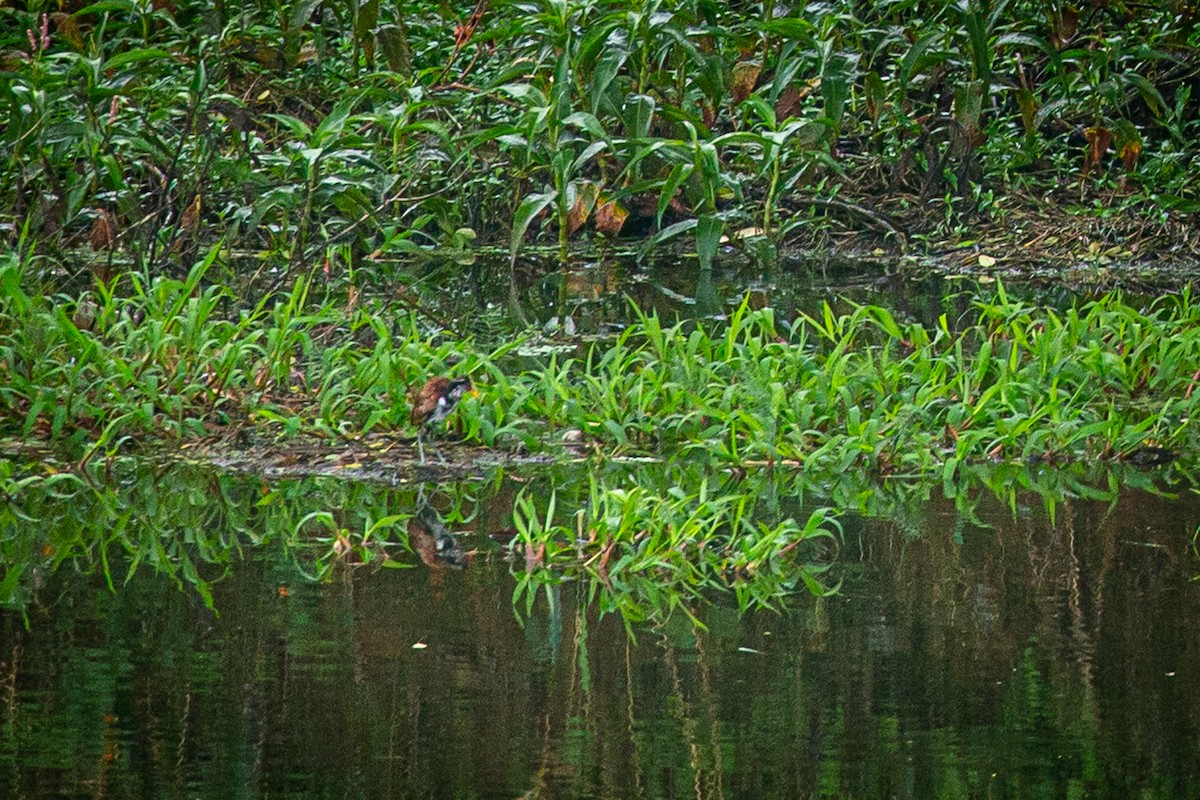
(436, 399)
(457, 389)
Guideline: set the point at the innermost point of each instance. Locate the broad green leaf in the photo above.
(133, 57)
(104, 7)
(679, 174)
(586, 122)
(669, 232)
(640, 110)
(588, 154)
(708, 238)
(301, 11)
(335, 121)
(297, 126)
(530, 207)
(921, 54)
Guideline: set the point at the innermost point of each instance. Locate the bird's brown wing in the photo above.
(425, 401)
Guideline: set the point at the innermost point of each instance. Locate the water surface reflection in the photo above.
(1024, 659)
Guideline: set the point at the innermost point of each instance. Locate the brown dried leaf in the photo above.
(191, 216)
(1129, 153)
(745, 76)
(610, 218)
(1099, 138)
(585, 201)
(1066, 25)
(788, 103)
(104, 231)
(67, 27)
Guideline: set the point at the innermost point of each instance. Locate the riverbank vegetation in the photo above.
(140, 135)
(863, 389)
(721, 453)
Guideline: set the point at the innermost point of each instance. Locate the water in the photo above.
(596, 293)
(976, 650)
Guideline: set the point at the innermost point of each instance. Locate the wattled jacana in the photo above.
(434, 402)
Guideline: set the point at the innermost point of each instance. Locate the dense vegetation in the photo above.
(314, 132)
(855, 390)
(827, 397)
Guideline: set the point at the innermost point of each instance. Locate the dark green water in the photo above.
(968, 654)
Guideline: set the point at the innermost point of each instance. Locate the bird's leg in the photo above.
(421, 449)
(433, 432)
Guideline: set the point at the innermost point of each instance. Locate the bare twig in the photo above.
(1195, 377)
(878, 220)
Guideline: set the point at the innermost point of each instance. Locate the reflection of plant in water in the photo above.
(193, 524)
(647, 539)
(52, 518)
(921, 664)
(648, 551)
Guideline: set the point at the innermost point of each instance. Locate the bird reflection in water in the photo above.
(433, 542)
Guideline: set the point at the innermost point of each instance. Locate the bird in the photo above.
(433, 542)
(434, 402)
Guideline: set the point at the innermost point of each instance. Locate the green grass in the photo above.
(863, 390)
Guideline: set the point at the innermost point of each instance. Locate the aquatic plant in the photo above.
(864, 390)
(831, 391)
